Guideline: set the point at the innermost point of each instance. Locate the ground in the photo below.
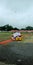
(19, 49)
(1, 63)
(14, 51)
(5, 35)
(28, 37)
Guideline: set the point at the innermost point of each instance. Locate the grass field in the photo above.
(5, 35)
(28, 37)
(18, 49)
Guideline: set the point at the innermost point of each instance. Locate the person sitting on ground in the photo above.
(16, 34)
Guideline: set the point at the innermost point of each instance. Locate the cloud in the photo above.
(18, 13)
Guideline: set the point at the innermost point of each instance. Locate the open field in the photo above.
(28, 37)
(16, 50)
(5, 35)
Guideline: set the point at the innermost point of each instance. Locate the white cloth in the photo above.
(16, 34)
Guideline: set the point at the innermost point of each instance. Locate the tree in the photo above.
(8, 27)
(22, 28)
(29, 28)
(16, 28)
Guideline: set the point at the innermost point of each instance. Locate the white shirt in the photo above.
(16, 34)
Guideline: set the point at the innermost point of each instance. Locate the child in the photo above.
(16, 34)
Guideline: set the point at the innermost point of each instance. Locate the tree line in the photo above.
(9, 27)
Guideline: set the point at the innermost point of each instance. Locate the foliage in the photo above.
(9, 27)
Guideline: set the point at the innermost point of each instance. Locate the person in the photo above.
(16, 34)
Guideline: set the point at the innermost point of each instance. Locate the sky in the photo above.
(18, 13)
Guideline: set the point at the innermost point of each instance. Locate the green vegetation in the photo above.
(5, 35)
(11, 52)
(27, 37)
(9, 27)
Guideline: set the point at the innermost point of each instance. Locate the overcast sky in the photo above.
(18, 13)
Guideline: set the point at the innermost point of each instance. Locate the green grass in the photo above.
(5, 35)
(18, 46)
(28, 37)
